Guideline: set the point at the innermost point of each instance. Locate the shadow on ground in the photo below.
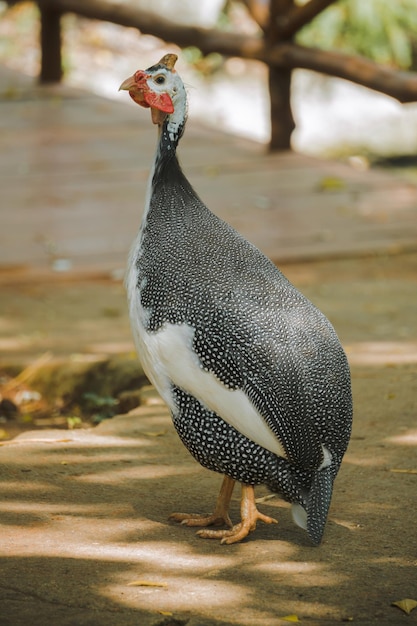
(83, 513)
(84, 524)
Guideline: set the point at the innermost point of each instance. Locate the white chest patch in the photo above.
(168, 358)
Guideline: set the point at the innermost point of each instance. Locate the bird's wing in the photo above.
(271, 363)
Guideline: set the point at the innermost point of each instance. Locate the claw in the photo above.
(250, 516)
(220, 515)
(195, 519)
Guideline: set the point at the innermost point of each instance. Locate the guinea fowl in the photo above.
(254, 375)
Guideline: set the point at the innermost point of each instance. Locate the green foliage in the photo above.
(74, 422)
(99, 407)
(205, 64)
(378, 29)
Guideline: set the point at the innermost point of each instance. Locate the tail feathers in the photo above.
(312, 517)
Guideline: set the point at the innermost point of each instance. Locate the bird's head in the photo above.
(158, 88)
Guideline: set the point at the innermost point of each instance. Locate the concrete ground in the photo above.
(85, 535)
(74, 169)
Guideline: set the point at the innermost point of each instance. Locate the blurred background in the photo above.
(333, 117)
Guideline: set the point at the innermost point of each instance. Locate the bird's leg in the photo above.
(220, 515)
(249, 514)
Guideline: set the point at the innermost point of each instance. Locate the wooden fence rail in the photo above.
(275, 47)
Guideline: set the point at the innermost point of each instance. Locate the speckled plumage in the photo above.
(239, 320)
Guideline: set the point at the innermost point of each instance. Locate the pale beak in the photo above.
(128, 84)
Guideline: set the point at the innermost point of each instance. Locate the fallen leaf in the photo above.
(22, 442)
(331, 183)
(146, 583)
(265, 498)
(291, 618)
(407, 605)
(166, 613)
(28, 372)
(404, 471)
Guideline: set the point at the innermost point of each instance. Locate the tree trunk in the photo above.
(51, 63)
(282, 121)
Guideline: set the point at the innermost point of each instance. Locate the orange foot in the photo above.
(249, 514)
(220, 515)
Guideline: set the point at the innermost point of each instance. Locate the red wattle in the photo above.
(162, 101)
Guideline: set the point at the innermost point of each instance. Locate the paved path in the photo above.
(74, 166)
(85, 539)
